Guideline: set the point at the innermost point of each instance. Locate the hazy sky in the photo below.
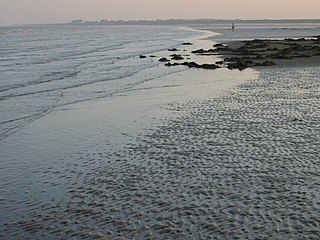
(55, 11)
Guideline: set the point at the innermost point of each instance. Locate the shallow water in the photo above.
(45, 67)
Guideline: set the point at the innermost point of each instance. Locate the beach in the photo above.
(196, 154)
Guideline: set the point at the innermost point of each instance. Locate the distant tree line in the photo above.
(190, 21)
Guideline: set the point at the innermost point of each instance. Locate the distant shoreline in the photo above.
(191, 21)
(176, 22)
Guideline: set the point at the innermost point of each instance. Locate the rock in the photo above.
(190, 64)
(176, 57)
(187, 43)
(163, 59)
(202, 51)
(209, 66)
(303, 56)
(198, 51)
(222, 48)
(256, 41)
(261, 45)
(237, 65)
(172, 49)
(280, 56)
(266, 63)
(203, 66)
(142, 56)
(152, 56)
(172, 64)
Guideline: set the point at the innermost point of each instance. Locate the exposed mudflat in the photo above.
(245, 165)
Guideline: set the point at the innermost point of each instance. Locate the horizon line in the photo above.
(122, 21)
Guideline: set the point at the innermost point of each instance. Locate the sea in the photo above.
(77, 102)
(44, 67)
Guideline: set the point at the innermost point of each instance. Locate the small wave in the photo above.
(54, 76)
(8, 131)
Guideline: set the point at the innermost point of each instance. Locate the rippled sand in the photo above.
(244, 165)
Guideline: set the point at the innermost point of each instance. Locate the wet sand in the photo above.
(243, 165)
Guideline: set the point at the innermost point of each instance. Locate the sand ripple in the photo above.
(244, 165)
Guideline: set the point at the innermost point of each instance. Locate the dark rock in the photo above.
(209, 66)
(202, 51)
(289, 40)
(238, 63)
(266, 63)
(280, 56)
(223, 49)
(190, 64)
(163, 59)
(248, 62)
(303, 56)
(198, 51)
(247, 52)
(261, 45)
(172, 50)
(172, 64)
(176, 57)
(152, 56)
(203, 66)
(142, 56)
(240, 66)
(273, 49)
(256, 41)
(187, 43)
(232, 59)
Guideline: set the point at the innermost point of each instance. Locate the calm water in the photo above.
(50, 66)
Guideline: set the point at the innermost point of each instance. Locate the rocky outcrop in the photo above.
(187, 43)
(194, 65)
(252, 53)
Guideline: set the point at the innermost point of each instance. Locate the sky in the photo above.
(58, 11)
